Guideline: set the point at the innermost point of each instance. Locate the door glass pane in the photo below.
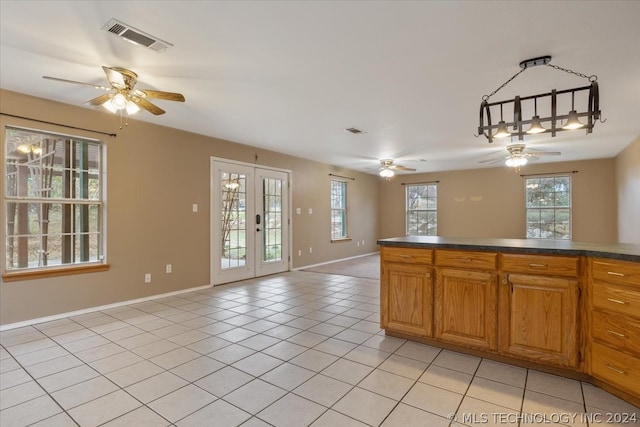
(233, 196)
(272, 214)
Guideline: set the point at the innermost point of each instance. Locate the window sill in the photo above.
(54, 272)
(345, 239)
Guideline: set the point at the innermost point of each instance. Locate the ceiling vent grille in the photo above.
(133, 35)
(354, 130)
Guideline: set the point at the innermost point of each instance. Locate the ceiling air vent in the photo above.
(136, 36)
(354, 130)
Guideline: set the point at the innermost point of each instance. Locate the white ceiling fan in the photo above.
(388, 168)
(519, 156)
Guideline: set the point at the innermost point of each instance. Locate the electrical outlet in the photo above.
(168, 268)
(358, 243)
(147, 278)
(195, 207)
(299, 252)
(310, 249)
(310, 211)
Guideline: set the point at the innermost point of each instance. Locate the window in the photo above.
(52, 199)
(422, 210)
(548, 207)
(338, 210)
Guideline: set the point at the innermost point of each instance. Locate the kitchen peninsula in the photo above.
(564, 307)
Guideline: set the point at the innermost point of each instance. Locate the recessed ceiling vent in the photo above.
(354, 130)
(133, 35)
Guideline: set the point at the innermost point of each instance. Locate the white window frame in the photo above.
(340, 210)
(40, 201)
(548, 206)
(429, 210)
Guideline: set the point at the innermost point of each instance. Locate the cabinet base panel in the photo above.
(568, 373)
(617, 392)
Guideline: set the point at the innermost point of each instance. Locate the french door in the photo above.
(249, 221)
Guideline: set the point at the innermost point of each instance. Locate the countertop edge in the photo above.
(608, 251)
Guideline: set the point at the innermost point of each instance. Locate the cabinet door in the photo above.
(538, 318)
(466, 308)
(407, 299)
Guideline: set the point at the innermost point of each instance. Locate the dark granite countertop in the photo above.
(621, 251)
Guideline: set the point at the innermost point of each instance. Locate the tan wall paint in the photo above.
(628, 185)
(154, 175)
(490, 202)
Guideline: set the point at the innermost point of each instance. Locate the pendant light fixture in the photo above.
(572, 120)
(538, 124)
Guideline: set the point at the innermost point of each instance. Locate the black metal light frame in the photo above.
(592, 113)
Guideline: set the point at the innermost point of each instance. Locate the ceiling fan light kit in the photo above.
(546, 124)
(388, 168)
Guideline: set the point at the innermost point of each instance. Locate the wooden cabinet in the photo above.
(538, 318)
(407, 291)
(615, 323)
(465, 307)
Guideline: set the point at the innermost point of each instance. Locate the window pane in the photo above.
(42, 166)
(338, 209)
(421, 210)
(548, 207)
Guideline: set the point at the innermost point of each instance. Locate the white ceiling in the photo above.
(290, 76)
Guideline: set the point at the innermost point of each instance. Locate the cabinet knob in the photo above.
(427, 275)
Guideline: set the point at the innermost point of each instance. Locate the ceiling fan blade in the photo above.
(75, 82)
(100, 99)
(168, 96)
(545, 153)
(115, 77)
(491, 161)
(143, 103)
(404, 168)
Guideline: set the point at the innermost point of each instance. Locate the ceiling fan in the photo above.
(388, 168)
(124, 95)
(519, 155)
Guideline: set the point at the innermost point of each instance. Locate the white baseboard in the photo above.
(99, 308)
(331, 262)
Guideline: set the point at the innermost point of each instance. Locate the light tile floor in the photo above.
(294, 349)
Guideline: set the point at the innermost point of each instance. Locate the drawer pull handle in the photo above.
(616, 369)
(465, 259)
(533, 265)
(617, 301)
(405, 256)
(618, 334)
(613, 273)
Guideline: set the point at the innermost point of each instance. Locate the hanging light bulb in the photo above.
(516, 161)
(132, 108)
(536, 126)
(386, 173)
(572, 120)
(119, 101)
(502, 131)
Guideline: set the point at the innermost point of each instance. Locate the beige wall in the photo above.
(628, 186)
(154, 176)
(490, 202)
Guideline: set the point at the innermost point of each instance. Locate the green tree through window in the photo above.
(548, 206)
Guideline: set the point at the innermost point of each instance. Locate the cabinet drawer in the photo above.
(617, 299)
(467, 259)
(614, 271)
(407, 255)
(616, 368)
(540, 264)
(616, 330)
